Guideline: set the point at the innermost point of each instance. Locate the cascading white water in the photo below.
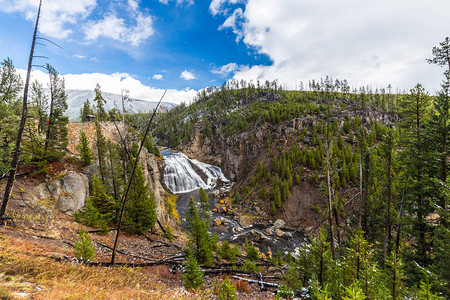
(181, 177)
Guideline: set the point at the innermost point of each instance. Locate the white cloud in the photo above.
(114, 83)
(111, 26)
(365, 42)
(56, 16)
(179, 2)
(79, 56)
(227, 69)
(188, 2)
(124, 22)
(218, 6)
(157, 77)
(186, 75)
(133, 5)
(234, 22)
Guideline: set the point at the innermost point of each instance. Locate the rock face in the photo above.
(66, 194)
(153, 179)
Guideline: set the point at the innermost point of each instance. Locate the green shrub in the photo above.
(192, 275)
(251, 251)
(249, 266)
(84, 249)
(227, 291)
(284, 292)
(227, 252)
(169, 234)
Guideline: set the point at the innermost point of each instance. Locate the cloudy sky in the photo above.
(187, 45)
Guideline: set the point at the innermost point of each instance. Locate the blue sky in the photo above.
(187, 45)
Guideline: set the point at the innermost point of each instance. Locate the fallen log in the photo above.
(101, 230)
(132, 265)
(224, 271)
(126, 253)
(262, 283)
(162, 242)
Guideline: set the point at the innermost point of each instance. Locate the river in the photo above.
(184, 176)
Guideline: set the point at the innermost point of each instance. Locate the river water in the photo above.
(184, 177)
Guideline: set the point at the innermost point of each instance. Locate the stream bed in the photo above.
(184, 177)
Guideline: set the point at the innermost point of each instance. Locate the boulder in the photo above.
(279, 232)
(288, 234)
(217, 222)
(66, 194)
(279, 223)
(74, 191)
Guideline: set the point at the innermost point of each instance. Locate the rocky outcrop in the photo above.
(153, 178)
(66, 194)
(109, 131)
(231, 153)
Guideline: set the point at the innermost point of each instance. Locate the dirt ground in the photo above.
(54, 236)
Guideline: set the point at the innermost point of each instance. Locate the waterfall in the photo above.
(183, 175)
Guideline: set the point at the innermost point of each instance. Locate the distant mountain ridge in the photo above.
(76, 99)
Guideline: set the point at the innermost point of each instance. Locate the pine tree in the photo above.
(84, 249)
(101, 200)
(204, 204)
(86, 111)
(387, 147)
(250, 251)
(439, 127)
(100, 104)
(415, 114)
(192, 275)
(84, 149)
(395, 276)
(140, 212)
(10, 82)
(100, 143)
(19, 136)
(227, 291)
(56, 135)
(39, 106)
(116, 171)
(33, 143)
(199, 241)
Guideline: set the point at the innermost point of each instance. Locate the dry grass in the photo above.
(242, 286)
(23, 269)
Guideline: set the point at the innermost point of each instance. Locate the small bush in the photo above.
(192, 276)
(169, 234)
(84, 249)
(227, 252)
(249, 266)
(284, 293)
(251, 251)
(227, 291)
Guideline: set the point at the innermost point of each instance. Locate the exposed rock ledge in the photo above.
(66, 194)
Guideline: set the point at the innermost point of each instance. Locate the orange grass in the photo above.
(24, 269)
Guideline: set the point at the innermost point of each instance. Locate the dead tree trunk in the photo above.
(330, 206)
(387, 233)
(125, 196)
(15, 158)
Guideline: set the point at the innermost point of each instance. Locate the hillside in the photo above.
(327, 186)
(267, 138)
(351, 165)
(76, 98)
